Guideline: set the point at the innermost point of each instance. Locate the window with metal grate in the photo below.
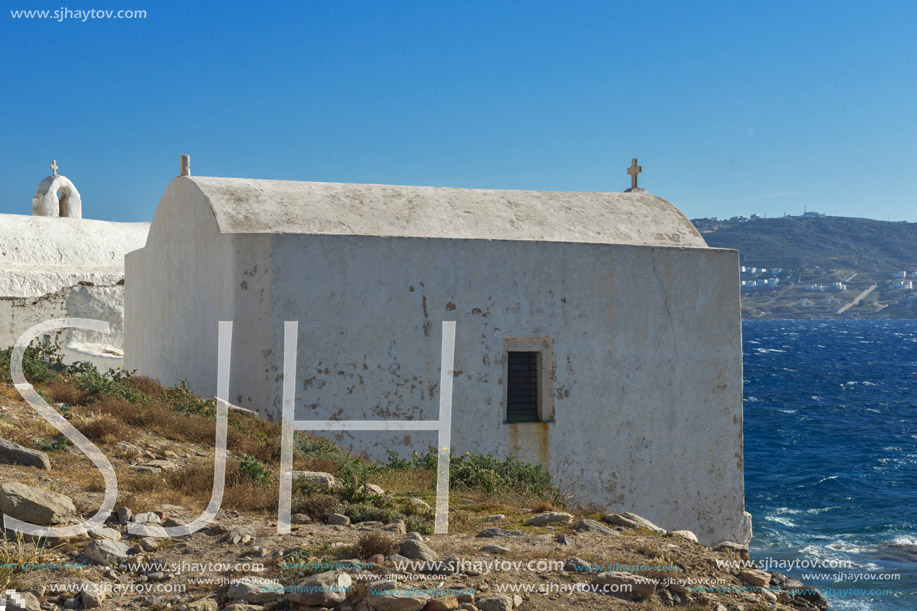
(522, 387)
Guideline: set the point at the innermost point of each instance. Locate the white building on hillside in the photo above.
(596, 333)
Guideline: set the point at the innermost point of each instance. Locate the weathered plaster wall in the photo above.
(647, 348)
(54, 267)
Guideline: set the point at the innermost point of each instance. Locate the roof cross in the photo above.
(53, 166)
(633, 170)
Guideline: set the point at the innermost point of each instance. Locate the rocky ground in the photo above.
(505, 550)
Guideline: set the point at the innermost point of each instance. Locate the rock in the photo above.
(104, 532)
(596, 527)
(496, 517)
(374, 489)
(398, 527)
(338, 519)
(495, 549)
(300, 518)
(376, 559)
(732, 546)
(632, 521)
(565, 539)
(146, 469)
(417, 550)
(785, 582)
(446, 603)
(162, 465)
(315, 477)
(627, 584)
(255, 589)
(327, 589)
(577, 565)
(684, 534)
(420, 504)
(93, 594)
(34, 505)
(517, 600)
(549, 517)
(238, 536)
(124, 515)
(149, 544)
(243, 607)
(105, 551)
(388, 595)
(497, 602)
(149, 517)
(22, 601)
(203, 604)
(755, 577)
(499, 532)
(14, 454)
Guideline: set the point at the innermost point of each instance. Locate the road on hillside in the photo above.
(857, 299)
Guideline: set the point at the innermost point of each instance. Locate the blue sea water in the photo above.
(831, 456)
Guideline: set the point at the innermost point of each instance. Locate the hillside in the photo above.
(861, 254)
(361, 536)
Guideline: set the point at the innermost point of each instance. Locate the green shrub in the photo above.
(373, 543)
(40, 363)
(484, 472)
(254, 470)
(58, 444)
(363, 512)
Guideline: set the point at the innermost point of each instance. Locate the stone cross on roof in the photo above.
(53, 166)
(633, 170)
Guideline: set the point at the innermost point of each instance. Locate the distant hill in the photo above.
(860, 253)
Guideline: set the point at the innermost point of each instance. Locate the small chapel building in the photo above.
(55, 264)
(596, 334)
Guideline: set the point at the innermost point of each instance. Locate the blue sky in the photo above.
(731, 108)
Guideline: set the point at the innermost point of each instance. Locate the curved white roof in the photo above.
(272, 206)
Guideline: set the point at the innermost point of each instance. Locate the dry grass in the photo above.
(372, 543)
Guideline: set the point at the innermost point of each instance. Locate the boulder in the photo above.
(389, 595)
(625, 584)
(146, 518)
(495, 549)
(105, 552)
(420, 505)
(684, 534)
(496, 602)
(203, 604)
(104, 532)
(327, 589)
(255, 589)
(34, 505)
(14, 454)
(338, 519)
(490, 533)
(446, 603)
(417, 550)
(549, 517)
(92, 594)
(596, 527)
(632, 521)
(124, 515)
(21, 601)
(315, 477)
(755, 577)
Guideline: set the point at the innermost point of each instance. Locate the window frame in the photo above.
(544, 347)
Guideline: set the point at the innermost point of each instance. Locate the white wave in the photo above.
(779, 520)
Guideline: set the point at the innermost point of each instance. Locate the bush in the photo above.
(373, 543)
(363, 512)
(418, 524)
(256, 471)
(484, 472)
(318, 506)
(40, 363)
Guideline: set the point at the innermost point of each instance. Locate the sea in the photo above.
(831, 456)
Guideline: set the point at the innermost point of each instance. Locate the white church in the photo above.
(596, 333)
(56, 264)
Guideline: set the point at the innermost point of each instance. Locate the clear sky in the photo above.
(731, 108)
